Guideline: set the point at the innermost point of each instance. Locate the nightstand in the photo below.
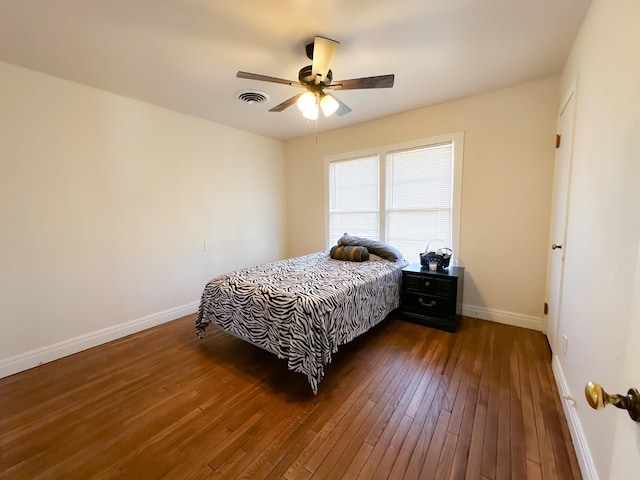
(432, 298)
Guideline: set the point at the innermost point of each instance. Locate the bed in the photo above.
(302, 309)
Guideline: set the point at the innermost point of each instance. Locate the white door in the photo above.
(559, 220)
(626, 440)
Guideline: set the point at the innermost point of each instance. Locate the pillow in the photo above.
(350, 253)
(378, 248)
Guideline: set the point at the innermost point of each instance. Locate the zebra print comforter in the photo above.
(303, 308)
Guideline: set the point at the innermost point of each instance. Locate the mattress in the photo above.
(302, 309)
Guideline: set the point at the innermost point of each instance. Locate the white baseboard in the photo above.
(502, 316)
(587, 467)
(33, 358)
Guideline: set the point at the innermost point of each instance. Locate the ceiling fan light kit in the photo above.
(307, 101)
(316, 78)
(311, 113)
(329, 105)
(308, 104)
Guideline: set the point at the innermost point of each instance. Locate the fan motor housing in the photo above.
(306, 77)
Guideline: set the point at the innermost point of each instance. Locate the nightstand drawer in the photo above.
(429, 285)
(428, 304)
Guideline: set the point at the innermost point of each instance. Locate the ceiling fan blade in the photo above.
(286, 103)
(324, 50)
(343, 109)
(265, 78)
(381, 81)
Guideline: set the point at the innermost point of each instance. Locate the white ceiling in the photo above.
(184, 54)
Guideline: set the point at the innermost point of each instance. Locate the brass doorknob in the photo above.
(554, 246)
(598, 398)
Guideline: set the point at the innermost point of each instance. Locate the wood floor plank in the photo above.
(426, 429)
(394, 428)
(476, 446)
(320, 451)
(445, 462)
(288, 455)
(358, 461)
(503, 466)
(452, 375)
(547, 456)
(416, 434)
(351, 439)
(534, 471)
(402, 401)
(367, 430)
(353, 402)
(436, 446)
(389, 403)
(464, 369)
(532, 451)
(490, 443)
(518, 451)
(390, 448)
(431, 357)
(464, 430)
(330, 458)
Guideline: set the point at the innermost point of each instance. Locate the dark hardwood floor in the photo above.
(402, 401)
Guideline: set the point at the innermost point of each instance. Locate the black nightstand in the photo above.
(432, 298)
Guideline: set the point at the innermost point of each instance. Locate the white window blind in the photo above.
(419, 206)
(354, 198)
(406, 195)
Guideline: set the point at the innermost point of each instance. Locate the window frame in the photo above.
(456, 138)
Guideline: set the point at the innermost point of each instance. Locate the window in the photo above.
(355, 197)
(406, 195)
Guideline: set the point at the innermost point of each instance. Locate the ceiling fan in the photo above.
(317, 78)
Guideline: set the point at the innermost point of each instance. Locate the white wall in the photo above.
(105, 203)
(506, 193)
(603, 236)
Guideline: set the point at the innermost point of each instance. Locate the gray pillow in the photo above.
(374, 246)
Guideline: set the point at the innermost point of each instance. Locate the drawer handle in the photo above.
(430, 304)
(427, 284)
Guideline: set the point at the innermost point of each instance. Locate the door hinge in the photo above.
(558, 138)
(546, 308)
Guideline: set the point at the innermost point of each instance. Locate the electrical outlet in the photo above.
(565, 344)
(207, 245)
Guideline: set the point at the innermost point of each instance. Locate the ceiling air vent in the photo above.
(252, 97)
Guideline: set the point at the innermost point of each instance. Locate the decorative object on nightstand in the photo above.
(439, 257)
(432, 298)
